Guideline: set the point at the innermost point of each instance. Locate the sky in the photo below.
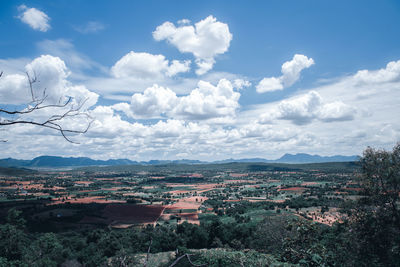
(205, 80)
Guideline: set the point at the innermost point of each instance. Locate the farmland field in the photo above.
(139, 195)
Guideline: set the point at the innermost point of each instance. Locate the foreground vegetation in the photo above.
(262, 221)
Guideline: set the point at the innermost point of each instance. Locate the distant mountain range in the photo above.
(297, 158)
(55, 162)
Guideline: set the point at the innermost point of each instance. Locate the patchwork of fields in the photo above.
(175, 194)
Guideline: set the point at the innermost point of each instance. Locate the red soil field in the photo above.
(115, 188)
(276, 200)
(236, 175)
(148, 187)
(177, 185)
(196, 175)
(127, 213)
(84, 182)
(187, 203)
(200, 188)
(308, 183)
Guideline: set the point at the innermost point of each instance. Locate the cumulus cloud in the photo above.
(51, 76)
(208, 101)
(14, 89)
(290, 74)
(241, 83)
(36, 19)
(336, 111)
(205, 40)
(177, 67)
(205, 102)
(304, 109)
(153, 102)
(208, 118)
(389, 74)
(147, 66)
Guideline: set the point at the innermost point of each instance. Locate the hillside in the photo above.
(55, 162)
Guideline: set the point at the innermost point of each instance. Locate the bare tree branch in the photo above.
(66, 109)
(188, 257)
(148, 253)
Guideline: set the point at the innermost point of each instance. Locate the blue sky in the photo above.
(262, 78)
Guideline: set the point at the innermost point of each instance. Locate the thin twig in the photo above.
(188, 257)
(51, 122)
(148, 253)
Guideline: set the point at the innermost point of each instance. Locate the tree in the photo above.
(375, 220)
(61, 111)
(381, 179)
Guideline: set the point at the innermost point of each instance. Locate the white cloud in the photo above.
(290, 74)
(147, 66)
(177, 67)
(205, 40)
(51, 76)
(90, 27)
(205, 102)
(13, 65)
(300, 110)
(269, 85)
(389, 74)
(204, 65)
(14, 89)
(35, 18)
(154, 102)
(336, 111)
(208, 101)
(241, 83)
(183, 22)
(304, 109)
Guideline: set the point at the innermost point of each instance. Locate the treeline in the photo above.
(281, 237)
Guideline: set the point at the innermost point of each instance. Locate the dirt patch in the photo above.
(237, 175)
(293, 189)
(309, 183)
(148, 187)
(86, 183)
(178, 185)
(136, 214)
(187, 203)
(196, 175)
(276, 200)
(192, 218)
